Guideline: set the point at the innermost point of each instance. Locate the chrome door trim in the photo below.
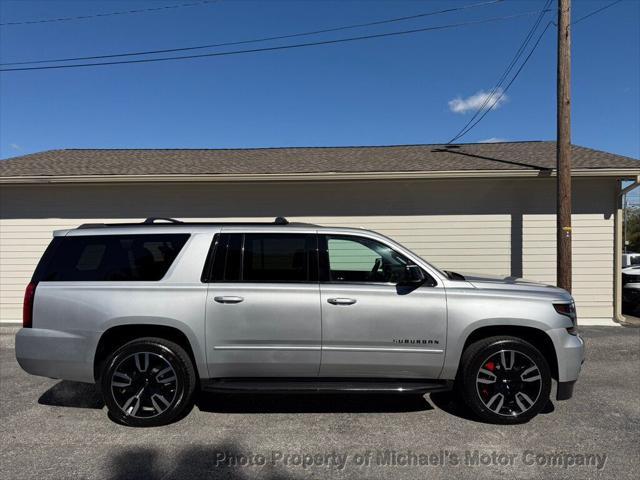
(267, 347)
(384, 349)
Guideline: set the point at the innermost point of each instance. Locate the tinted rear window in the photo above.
(276, 257)
(109, 258)
(265, 257)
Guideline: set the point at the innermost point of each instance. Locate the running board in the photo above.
(327, 385)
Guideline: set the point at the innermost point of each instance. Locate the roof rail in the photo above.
(152, 220)
(166, 221)
(91, 225)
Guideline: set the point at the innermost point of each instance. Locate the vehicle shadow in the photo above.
(224, 460)
(453, 405)
(72, 394)
(83, 395)
(310, 403)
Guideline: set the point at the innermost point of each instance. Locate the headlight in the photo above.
(568, 310)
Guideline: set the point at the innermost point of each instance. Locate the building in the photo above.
(486, 208)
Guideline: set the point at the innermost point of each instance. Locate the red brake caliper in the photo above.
(491, 367)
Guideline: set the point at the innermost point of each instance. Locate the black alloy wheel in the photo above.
(504, 380)
(148, 382)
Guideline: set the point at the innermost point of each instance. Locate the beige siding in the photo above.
(485, 226)
(591, 254)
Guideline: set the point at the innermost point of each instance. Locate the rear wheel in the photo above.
(504, 380)
(148, 382)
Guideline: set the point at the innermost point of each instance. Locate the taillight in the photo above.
(27, 306)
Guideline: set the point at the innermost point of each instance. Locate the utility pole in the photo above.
(563, 146)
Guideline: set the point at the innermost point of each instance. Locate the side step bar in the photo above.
(325, 385)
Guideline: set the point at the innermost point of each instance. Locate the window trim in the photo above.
(207, 269)
(325, 267)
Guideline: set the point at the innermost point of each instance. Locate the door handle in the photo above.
(341, 301)
(228, 299)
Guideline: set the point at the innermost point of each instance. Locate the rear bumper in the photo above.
(56, 354)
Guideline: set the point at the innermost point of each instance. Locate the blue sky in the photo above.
(375, 92)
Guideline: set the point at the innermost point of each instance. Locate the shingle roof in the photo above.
(405, 158)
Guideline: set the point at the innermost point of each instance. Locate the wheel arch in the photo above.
(535, 336)
(117, 335)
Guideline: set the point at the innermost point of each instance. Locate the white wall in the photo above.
(503, 227)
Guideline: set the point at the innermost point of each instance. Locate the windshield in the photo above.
(434, 267)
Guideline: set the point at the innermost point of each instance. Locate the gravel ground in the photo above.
(53, 429)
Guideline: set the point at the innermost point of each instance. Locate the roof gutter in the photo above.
(628, 188)
(326, 176)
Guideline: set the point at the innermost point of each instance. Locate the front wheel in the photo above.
(504, 380)
(148, 382)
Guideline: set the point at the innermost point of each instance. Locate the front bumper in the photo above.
(56, 354)
(565, 390)
(570, 353)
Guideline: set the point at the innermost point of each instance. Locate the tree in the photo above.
(632, 229)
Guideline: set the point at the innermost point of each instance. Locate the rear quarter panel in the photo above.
(88, 309)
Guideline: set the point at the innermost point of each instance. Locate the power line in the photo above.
(263, 39)
(595, 12)
(468, 127)
(463, 131)
(108, 14)
(504, 91)
(505, 74)
(282, 47)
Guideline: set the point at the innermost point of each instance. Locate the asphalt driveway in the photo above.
(59, 430)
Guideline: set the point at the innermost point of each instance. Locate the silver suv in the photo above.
(154, 312)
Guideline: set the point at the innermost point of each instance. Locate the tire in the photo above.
(504, 380)
(148, 382)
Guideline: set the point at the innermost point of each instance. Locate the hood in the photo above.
(499, 282)
(483, 277)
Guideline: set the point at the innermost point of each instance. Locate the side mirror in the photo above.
(413, 275)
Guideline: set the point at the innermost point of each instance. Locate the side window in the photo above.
(91, 257)
(265, 258)
(111, 257)
(361, 260)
